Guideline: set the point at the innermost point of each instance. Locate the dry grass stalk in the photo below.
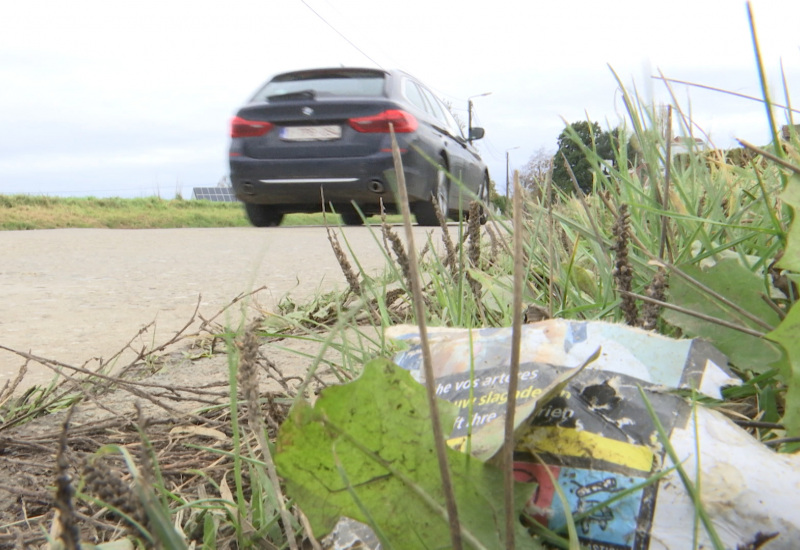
(450, 258)
(384, 228)
(474, 252)
(551, 252)
(11, 385)
(474, 234)
(399, 250)
(425, 250)
(146, 463)
(697, 314)
(393, 295)
(109, 488)
(69, 534)
(623, 270)
(516, 338)
(664, 243)
(739, 311)
(655, 290)
(248, 366)
(419, 309)
(349, 274)
(701, 204)
(248, 380)
(494, 245)
(726, 206)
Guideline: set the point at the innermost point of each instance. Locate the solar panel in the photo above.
(216, 194)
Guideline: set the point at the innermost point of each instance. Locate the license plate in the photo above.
(311, 133)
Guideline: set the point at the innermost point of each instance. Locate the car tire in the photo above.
(351, 217)
(426, 211)
(262, 215)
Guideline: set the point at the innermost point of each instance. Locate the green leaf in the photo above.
(786, 336)
(740, 286)
(791, 196)
(378, 429)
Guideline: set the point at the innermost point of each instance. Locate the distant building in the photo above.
(685, 144)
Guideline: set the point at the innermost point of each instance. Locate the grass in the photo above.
(24, 212)
(580, 255)
(595, 257)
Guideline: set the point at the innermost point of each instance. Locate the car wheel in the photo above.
(262, 215)
(351, 217)
(426, 211)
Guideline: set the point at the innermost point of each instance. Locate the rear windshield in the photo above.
(337, 84)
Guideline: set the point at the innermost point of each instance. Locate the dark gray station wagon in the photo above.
(319, 132)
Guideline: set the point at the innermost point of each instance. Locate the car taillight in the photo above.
(241, 127)
(403, 122)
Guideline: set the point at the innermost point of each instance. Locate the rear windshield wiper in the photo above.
(291, 96)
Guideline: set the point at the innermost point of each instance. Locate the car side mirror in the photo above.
(476, 133)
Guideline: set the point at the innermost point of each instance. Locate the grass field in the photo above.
(22, 212)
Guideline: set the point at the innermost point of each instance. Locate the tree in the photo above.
(593, 138)
(533, 175)
(496, 199)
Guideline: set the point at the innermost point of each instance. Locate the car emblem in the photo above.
(308, 111)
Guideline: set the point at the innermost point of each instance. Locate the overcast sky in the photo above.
(119, 98)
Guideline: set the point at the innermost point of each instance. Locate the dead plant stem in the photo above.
(722, 91)
(516, 338)
(699, 315)
(430, 383)
(550, 243)
(664, 244)
(770, 156)
(716, 295)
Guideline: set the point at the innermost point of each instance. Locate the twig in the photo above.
(720, 90)
(239, 298)
(770, 156)
(697, 314)
(711, 292)
(773, 306)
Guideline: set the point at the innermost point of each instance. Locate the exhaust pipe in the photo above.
(376, 187)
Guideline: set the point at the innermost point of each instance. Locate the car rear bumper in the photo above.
(298, 184)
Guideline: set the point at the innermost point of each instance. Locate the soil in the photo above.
(147, 307)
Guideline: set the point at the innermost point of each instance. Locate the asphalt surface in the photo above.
(72, 295)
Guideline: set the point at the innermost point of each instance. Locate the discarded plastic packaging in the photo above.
(599, 442)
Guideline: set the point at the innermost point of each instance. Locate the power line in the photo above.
(492, 149)
(440, 93)
(340, 34)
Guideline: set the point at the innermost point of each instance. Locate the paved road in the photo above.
(75, 294)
